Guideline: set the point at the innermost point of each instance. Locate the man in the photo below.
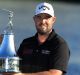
(45, 53)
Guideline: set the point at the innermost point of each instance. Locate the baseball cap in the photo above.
(44, 8)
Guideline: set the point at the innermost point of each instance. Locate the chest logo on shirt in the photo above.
(45, 52)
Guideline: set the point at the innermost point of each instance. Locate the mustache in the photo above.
(41, 24)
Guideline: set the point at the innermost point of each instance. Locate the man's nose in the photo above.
(43, 21)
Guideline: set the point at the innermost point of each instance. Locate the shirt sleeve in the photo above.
(59, 59)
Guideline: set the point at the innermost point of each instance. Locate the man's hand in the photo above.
(18, 74)
(50, 72)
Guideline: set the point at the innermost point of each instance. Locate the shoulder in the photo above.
(26, 43)
(60, 40)
(61, 45)
(27, 40)
(56, 39)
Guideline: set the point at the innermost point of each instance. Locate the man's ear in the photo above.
(54, 19)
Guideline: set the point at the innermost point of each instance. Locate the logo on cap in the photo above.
(44, 7)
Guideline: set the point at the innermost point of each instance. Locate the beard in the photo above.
(43, 30)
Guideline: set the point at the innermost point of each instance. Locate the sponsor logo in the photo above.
(45, 52)
(44, 8)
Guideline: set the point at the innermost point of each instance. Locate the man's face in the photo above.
(44, 23)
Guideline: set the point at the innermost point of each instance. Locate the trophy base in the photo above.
(9, 71)
(9, 64)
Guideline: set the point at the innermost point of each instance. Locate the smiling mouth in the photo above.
(44, 27)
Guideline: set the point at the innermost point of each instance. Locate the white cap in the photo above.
(44, 8)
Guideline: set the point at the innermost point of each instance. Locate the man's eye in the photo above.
(38, 17)
(48, 16)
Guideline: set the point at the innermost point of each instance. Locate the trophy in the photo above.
(9, 61)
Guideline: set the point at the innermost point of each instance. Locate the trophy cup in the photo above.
(9, 61)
